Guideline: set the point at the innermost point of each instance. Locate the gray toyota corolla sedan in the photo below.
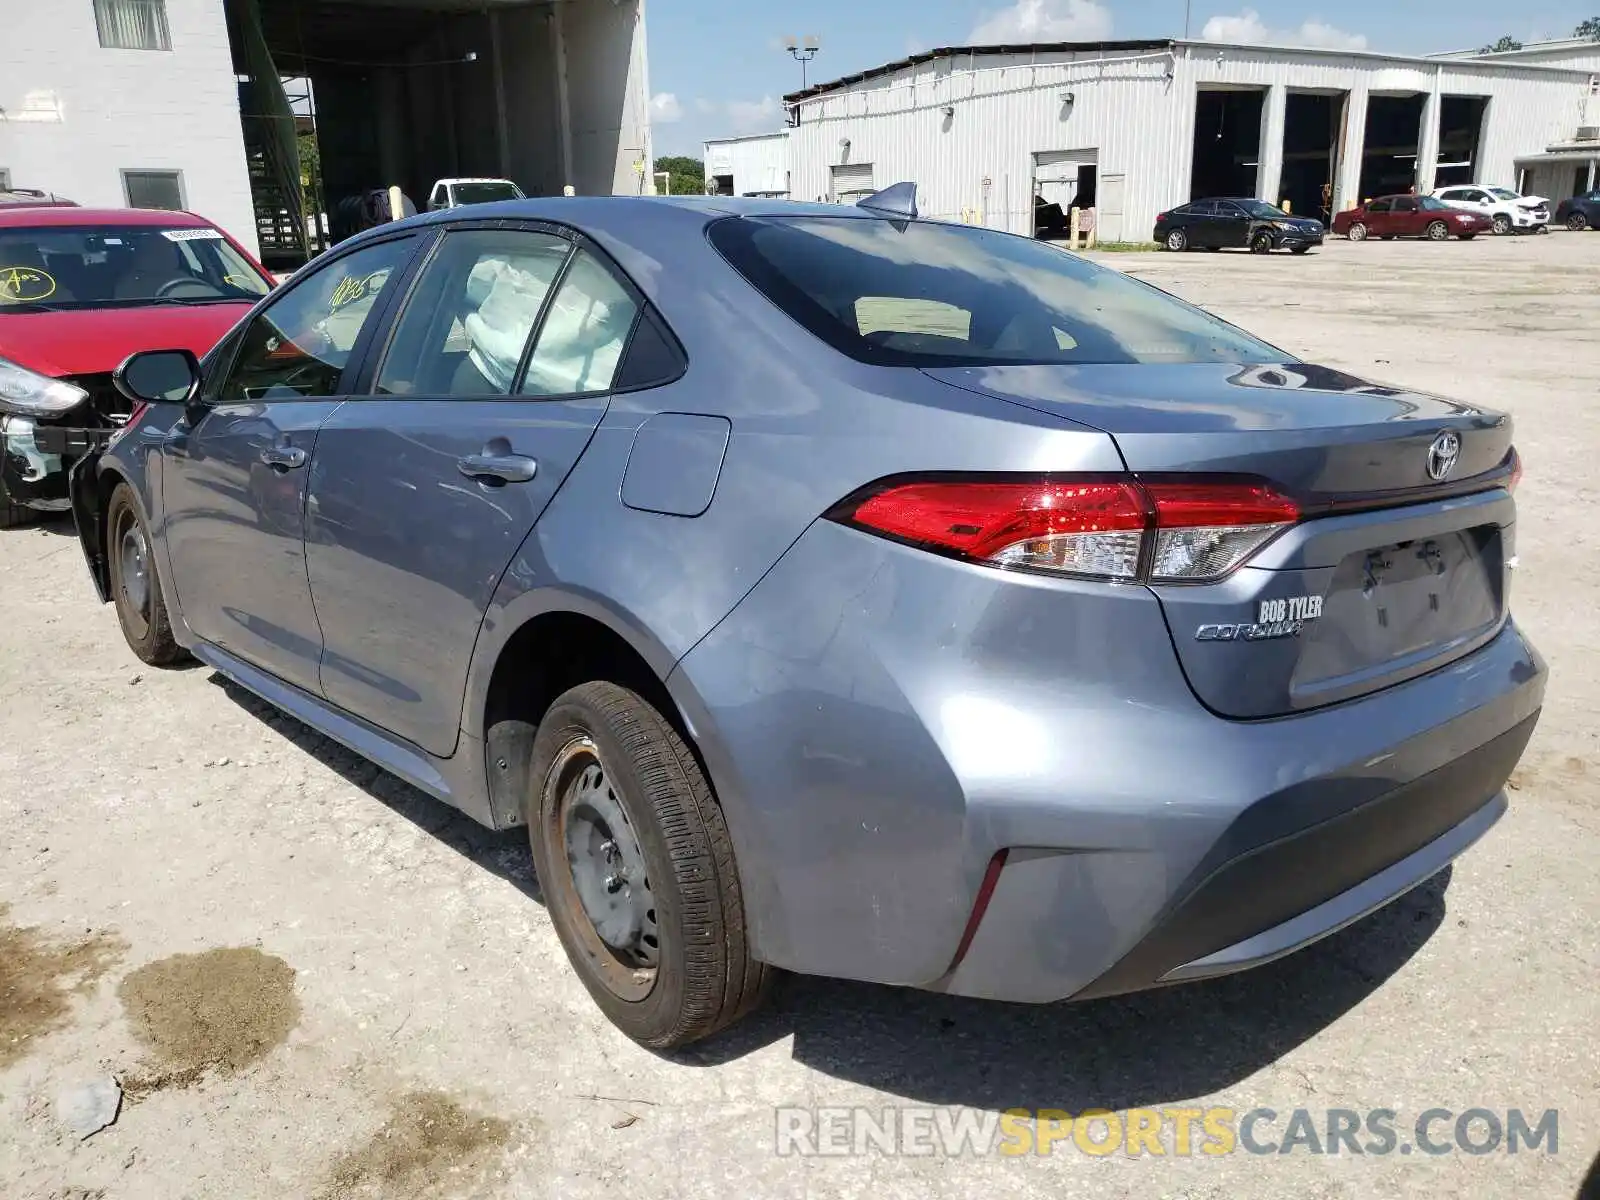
(836, 591)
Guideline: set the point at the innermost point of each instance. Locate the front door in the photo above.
(422, 490)
(1233, 225)
(234, 483)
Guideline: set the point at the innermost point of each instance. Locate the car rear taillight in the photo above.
(1096, 527)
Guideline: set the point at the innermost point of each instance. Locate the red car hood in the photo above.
(92, 340)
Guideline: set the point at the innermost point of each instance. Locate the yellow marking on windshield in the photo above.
(24, 285)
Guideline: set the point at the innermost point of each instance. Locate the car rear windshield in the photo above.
(485, 193)
(924, 294)
(114, 266)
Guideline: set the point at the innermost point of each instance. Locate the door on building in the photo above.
(849, 182)
(235, 483)
(1112, 202)
(1063, 180)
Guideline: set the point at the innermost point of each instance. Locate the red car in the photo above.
(80, 290)
(1409, 216)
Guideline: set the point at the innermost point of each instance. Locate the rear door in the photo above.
(1379, 218)
(496, 374)
(1202, 223)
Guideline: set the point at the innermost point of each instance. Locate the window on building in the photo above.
(153, 189)
(132, 24)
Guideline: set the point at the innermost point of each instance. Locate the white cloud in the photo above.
(1248, 27)
(664, 107)
(1045, 21)
(753, 116)
(702, 105)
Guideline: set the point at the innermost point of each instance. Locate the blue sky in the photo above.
(719, 68)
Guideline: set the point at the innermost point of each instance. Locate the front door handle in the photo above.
(507, 468)
(283, 458)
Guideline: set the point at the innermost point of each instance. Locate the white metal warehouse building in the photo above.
(1130, 128)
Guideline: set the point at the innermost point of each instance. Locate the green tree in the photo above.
(1505, 43)
(687, 175)
(1588, 29)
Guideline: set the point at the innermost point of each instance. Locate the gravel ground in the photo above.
(311, 981)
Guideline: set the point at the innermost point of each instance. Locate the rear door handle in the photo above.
(283, 458)
(508, 468)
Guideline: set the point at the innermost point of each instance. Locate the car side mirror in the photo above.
(159, 377)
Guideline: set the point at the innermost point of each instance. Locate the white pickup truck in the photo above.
(453, 193)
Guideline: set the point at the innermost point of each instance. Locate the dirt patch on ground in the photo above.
(221, 1011)
(428, 1143)
(38, 974)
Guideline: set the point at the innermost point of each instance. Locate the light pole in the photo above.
(803, 52)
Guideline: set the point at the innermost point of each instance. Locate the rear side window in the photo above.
(922, 294)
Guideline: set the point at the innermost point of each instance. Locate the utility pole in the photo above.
(1186, 5)
(802, 52)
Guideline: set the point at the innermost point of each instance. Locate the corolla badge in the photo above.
(1442, 455)
(1283, 617)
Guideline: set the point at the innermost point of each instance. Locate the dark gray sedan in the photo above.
(832, 590)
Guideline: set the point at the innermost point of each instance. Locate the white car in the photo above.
(1510, 211)
(453, 193)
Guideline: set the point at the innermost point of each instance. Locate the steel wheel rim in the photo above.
(133, 568)
(602, 871)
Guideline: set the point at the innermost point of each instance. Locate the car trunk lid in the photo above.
(1399, 564)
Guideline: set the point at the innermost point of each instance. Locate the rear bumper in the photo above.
(881, 723)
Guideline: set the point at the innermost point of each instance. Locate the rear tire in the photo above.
(1177, 241)
(1437, 231)
(637, 868)
(1577, 222)
(1357, 232)
(135, 584)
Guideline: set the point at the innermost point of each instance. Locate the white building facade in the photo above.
(1132, 128)
(754, 165)
(119, 102)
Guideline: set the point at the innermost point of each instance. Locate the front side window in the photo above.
(469, 318)
(1261, 210)
(115, 266)
(132, 24)
(581, 341)
(299, 345)
(923, 294)
(1405, 205)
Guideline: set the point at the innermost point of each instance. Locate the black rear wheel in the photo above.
(1577, 221)
(637, 868)
(1177, 241)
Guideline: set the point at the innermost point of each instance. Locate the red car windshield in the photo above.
(76, 267)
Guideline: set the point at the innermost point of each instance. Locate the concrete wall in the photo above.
(76, 115)
(758, 163)
(608, 90)
(951, 124)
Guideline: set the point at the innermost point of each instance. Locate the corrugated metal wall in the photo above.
(965, 130)
(759, 163)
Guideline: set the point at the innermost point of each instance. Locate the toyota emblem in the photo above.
(1442, 455)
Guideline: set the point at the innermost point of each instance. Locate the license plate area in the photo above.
(1396, 607)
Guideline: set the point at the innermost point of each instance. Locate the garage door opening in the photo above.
(406, 92)
(1389, 159)
(1062, 181)
(1460, 132)
(1227, 143)
(1311, 124)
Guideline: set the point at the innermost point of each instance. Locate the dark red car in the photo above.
(1409, 216)
(80, 290)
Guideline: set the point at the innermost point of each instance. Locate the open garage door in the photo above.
(550, 95)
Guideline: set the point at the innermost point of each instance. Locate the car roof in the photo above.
(22, 215)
